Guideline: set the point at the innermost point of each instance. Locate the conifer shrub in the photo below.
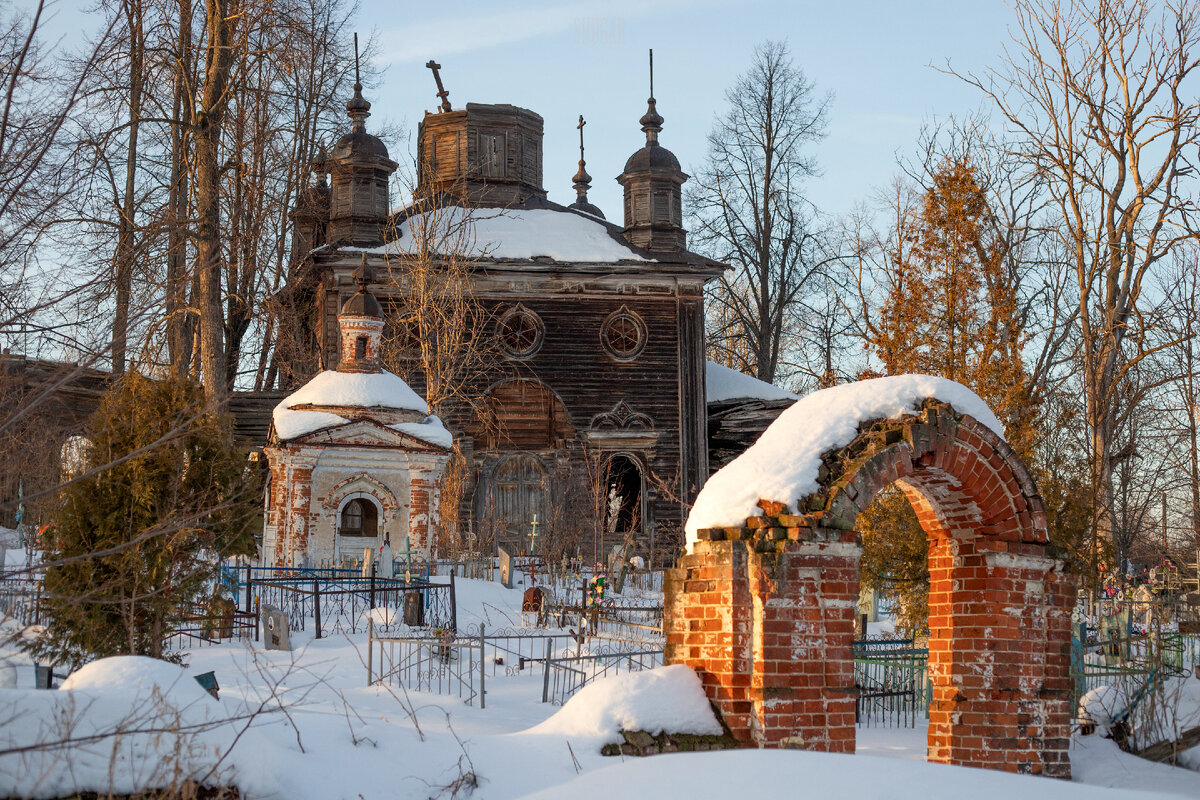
(139, 536)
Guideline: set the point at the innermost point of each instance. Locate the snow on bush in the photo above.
(1100, 704)
(123, 724)
(782, 464)
(667, 699)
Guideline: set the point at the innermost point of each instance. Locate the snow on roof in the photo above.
(667, 699)
(722, 383)
(782, 464)
(333, 389)
(500, 233)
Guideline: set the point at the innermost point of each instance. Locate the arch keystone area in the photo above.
(762, 607)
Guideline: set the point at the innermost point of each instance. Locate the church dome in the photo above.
(361, 304)
(359, 143)
(653, 158)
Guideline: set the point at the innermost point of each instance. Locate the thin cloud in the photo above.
(460, 33)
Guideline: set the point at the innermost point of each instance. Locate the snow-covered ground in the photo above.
(304, 724)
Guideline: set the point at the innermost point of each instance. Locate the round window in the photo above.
(520, 332)
(623, 335)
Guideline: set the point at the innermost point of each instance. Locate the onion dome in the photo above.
(653, 182)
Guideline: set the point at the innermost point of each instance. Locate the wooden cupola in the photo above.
(360, 169)
(653, 183)
(484, 154)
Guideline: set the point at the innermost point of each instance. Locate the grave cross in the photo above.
(533, 536)
(442, 91)
(407, 552)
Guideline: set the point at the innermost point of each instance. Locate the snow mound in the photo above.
(524, 234)
(722, 384)
(333, 389)
(782, 464)
(663, 699)
(139, 676)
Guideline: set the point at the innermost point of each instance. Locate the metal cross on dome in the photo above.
(442, 91)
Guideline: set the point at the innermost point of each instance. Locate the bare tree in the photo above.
(748, 209)
(1101, 98)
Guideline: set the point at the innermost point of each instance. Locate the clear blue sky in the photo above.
(563, 59)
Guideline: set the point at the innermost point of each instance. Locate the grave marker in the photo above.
(505, 568)
(276, 633)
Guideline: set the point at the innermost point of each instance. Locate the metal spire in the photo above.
(358, 108)
(651, 121)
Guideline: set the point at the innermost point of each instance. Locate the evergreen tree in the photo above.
(140, 536)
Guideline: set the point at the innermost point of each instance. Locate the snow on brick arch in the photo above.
(782, 465)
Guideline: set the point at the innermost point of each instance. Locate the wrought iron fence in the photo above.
(446, 664)
(891, 679)
(565, 675)
(347, 605)
(201, 626)
(21, 600)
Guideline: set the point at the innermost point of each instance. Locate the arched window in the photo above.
(360, 347)
(359, 518)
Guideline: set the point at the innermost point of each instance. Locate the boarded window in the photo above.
(492, 161)
(520, 491)
(445, 156)
(522, 415)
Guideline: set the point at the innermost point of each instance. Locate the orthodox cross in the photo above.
(580, 126)
(407, 551)
(533, 535)
(442, 91)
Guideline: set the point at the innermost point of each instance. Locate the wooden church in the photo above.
(590, 403)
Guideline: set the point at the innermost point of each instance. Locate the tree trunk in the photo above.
(126, 228)
(221, 17)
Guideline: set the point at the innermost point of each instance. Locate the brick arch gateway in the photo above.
(765, 612)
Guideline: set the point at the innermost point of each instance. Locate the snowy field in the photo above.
(304, 724)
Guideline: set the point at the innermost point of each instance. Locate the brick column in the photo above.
(998, 656)
(765, 615)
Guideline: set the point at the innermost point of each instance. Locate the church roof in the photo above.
(723, 384)
(517, 233)
(315, 405)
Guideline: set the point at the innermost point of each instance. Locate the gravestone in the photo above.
(276, 634)
(505, 568)
(414, 610)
